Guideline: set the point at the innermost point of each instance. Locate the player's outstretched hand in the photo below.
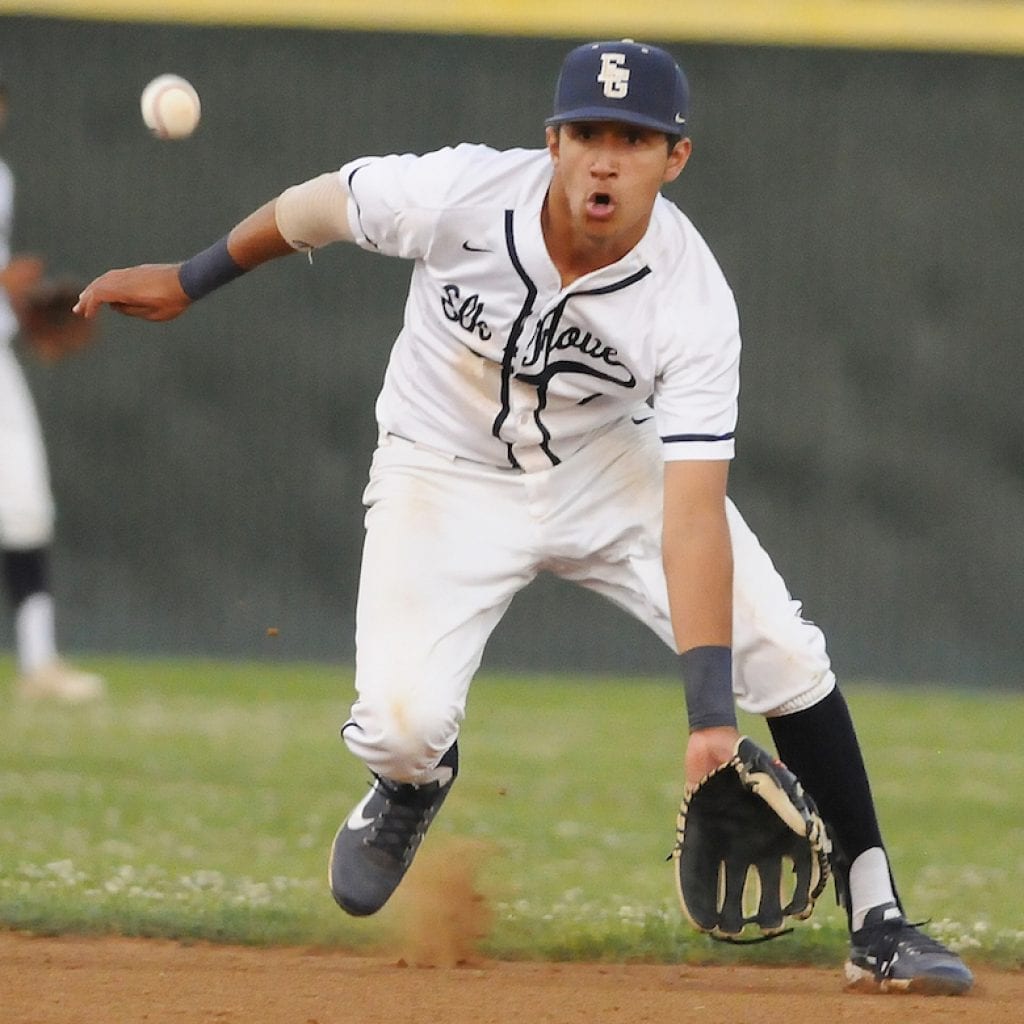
(708, 749)
(151, 292)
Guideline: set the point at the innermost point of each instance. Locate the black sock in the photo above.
(25, 573)
(819, 744)
(451, 759)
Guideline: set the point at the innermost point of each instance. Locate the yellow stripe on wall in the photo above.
(971, 25)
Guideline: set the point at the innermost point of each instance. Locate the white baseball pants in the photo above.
(450, 542)
(26, 503)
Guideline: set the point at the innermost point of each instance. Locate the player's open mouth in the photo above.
(600, 205)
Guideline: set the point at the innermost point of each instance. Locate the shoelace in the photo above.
(904, 935)
(401, 824)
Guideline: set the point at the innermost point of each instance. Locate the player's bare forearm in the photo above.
(697, 556)
(257, 239)
(154, 291)
(313, 214)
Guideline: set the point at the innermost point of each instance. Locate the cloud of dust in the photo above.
(438, 916)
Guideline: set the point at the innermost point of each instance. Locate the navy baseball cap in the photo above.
(622, 81)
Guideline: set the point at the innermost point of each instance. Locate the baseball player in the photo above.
(26, 503)
(562, 397)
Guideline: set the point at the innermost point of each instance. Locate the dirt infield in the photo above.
(112, 980)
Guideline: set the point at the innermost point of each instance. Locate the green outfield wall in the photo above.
(867, 206)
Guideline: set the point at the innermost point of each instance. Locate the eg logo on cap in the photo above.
(614, 75)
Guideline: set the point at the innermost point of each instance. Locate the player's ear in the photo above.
(677, 159)
(551, 138)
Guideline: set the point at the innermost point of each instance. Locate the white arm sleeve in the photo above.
(315, 213)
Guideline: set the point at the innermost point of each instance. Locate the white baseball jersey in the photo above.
(498, 363)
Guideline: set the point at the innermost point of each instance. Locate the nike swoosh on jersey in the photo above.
(356, 821)
(474, 248)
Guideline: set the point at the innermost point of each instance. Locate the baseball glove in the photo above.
(735, 831)
(48, 326)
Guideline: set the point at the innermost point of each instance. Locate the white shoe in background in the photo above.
(57, 680)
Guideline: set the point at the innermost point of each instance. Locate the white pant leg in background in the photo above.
(26, 502)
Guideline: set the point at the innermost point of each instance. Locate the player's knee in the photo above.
(400, 741)
(783, 668)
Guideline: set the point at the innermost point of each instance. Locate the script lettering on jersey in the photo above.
(467, 312)
(541, 356)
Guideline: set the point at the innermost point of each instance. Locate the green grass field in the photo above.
(199, 802)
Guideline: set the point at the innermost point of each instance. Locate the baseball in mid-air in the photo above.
(170, 107)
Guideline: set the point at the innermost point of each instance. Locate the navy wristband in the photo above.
(208, 270)
(707, 680)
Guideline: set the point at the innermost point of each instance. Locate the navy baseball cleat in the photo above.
(888, 954)
(377, 842)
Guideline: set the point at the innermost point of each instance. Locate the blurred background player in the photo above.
(26, 502)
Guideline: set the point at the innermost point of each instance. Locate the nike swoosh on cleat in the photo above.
(356, 821)
(473, 248)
